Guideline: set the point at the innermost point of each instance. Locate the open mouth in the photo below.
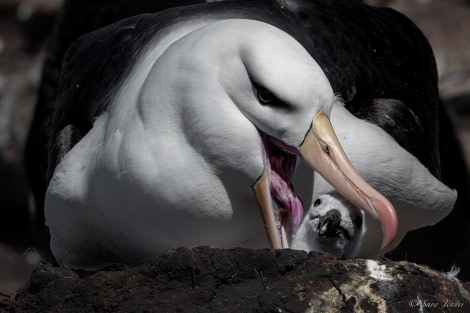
(282, 211)
(330, 225)
(279, 160)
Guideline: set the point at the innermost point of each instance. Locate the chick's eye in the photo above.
(265, 96)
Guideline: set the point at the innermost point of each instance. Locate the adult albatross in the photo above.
(163, 124)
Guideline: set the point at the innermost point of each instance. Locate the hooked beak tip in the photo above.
(388, 219)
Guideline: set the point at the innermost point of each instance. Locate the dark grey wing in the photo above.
(382, 66)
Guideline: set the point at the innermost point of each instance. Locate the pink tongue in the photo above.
(297, 208)
(287, 201)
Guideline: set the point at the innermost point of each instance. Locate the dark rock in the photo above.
(243, 280)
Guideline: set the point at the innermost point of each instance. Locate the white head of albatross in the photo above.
(209, 110)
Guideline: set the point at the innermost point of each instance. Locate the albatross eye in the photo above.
(264, 95)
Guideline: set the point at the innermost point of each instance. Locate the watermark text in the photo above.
(423, 303)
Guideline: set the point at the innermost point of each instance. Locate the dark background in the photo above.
(24, 29)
